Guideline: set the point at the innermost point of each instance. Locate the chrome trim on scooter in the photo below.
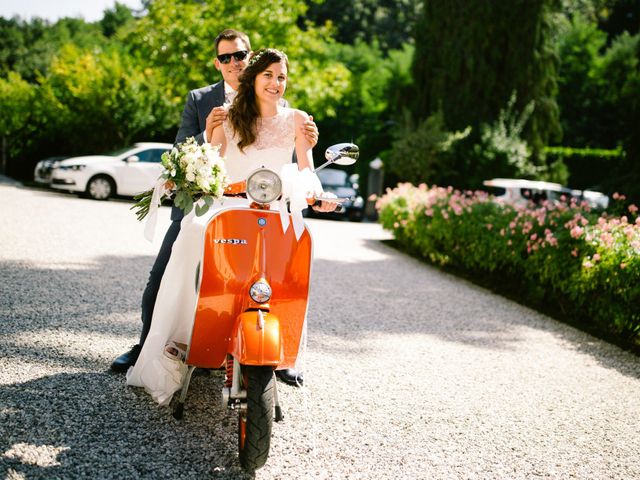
(236, 392)
(276, 400)
(198, 278)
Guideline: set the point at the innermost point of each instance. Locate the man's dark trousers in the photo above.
(157, 271)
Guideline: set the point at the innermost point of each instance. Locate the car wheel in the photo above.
(100, 187)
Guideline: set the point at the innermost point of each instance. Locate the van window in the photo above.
(497, 191)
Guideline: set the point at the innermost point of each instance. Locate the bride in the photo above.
(258, 132)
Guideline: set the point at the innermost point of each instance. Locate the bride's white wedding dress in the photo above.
(175, 305)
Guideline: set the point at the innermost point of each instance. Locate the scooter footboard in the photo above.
(256, 340)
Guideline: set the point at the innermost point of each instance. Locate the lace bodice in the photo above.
(273, 148)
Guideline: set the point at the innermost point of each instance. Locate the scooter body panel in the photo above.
(242, 245)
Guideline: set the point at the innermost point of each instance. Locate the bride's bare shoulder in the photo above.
(299, 115)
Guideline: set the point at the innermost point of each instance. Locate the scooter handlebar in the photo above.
(339, 207)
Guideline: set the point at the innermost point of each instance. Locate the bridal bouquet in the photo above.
(193, 174)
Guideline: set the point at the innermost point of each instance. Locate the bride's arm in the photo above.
(303, 145)
(305, 156)
(217, 138)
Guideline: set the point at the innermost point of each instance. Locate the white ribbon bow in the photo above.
(159, 191)
(297, 186)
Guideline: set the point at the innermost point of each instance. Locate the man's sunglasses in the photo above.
(239, 56)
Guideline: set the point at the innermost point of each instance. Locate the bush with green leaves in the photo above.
(583, 264)
(504, 152)
(16, 98)
(424, 152)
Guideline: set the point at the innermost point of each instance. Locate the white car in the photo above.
(516, 191)
(126, 172)
(42, 171)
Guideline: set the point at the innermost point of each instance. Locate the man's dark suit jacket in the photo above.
(199, 104)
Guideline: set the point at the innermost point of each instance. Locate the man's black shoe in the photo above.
(290, 376)
(126, 360)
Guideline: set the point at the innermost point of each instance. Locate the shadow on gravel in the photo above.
(100, 298)
(89, 425)
(402, 295)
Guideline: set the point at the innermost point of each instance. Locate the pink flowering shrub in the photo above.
(585, 264)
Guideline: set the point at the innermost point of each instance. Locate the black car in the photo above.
(341, 185)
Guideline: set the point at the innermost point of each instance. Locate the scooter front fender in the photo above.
(256, 340)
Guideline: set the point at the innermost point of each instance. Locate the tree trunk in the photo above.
(3, 165)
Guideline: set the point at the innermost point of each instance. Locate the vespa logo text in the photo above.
(231, 241)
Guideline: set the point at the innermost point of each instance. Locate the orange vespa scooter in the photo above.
(253, 288)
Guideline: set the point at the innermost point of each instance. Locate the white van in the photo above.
(516, 191)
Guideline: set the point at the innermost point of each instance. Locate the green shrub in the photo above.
(423, 152)
(562, 255)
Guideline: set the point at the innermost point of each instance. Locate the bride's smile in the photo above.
(271, 84)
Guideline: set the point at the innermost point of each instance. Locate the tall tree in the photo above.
(114, 18)
(472, 55)
(390, 23)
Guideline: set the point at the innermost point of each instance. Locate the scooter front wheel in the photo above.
(254, 424)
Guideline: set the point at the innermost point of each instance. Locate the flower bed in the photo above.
(585, 265)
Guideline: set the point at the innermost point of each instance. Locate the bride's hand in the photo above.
(325, 206)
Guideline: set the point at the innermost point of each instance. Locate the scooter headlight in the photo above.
(264, 186)
(260, 292)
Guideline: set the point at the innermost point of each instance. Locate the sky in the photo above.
(52, 10)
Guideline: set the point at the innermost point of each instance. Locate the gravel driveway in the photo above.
(412, 373)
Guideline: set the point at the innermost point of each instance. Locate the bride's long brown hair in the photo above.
(244, 113)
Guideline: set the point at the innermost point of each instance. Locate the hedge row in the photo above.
(587, 166)
(583, 264)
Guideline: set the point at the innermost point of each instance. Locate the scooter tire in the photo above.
(254, 426)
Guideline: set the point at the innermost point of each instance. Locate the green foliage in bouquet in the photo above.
(584, 265)
(193, 174)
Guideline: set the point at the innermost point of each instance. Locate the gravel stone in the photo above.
(411, 372)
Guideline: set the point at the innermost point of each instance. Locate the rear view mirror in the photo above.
(341, 154)
(132, 158)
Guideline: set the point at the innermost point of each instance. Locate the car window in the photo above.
(152, 155)
(117, 153)
(332, 177)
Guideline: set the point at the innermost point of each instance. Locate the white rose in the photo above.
(203, 184)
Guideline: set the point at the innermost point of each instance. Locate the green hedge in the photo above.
(587, 166)
(584, 265)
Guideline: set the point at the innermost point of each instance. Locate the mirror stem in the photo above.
(325, 164)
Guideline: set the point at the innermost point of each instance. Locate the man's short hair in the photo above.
(231, 34)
